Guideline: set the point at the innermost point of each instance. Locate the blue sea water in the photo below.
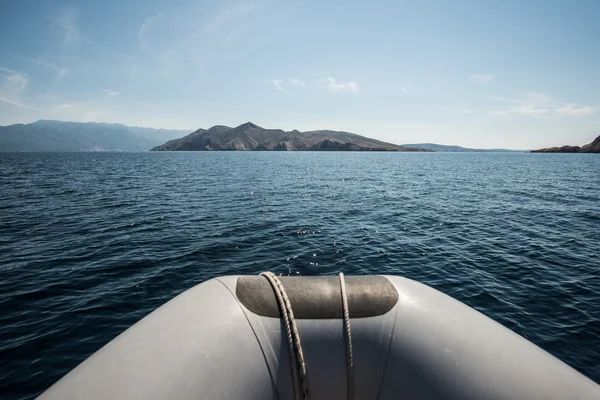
(92, 242)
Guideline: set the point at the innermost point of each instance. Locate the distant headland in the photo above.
(593, 147)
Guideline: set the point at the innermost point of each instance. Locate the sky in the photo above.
(511, 74)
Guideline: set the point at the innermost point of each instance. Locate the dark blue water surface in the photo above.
(92, 242)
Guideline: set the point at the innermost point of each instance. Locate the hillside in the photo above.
(46, 135)
(593, 147)
(251, 137)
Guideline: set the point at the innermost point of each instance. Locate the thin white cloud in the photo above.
(66, 106)
(60, 71)
(499, 113)
(572, 110)
(481, 79)
(70, 35)
(500, 99)
(67, 21)
(12, 85)
(297, 82)
(408, 89)
(536, 97)
(211, 37)
(277, 84)
(531, 110)
(334, 85)
(228, 19)
(145, 28)
(111, 92)
(460, 109)
(14, 82)
(230, 14)
(534, 104)
(526, 98)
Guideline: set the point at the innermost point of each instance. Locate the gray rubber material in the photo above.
(205, 344)
(197, 346)
(318, 297)
(443, 349)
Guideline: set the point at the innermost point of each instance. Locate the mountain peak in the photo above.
(45, 121)
(248, 125)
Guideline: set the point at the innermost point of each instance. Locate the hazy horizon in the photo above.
(482, 75)
(185, 132)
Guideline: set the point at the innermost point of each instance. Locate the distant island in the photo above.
(453, 149)
(251, 137)
(593, 147)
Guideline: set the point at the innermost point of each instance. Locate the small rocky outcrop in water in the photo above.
(593, 147)
(251, 137)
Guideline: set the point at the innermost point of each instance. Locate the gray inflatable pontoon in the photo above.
(224, 339)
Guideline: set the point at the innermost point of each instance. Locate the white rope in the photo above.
(297, 362)
(348, 337)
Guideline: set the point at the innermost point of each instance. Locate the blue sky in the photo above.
(517, 74)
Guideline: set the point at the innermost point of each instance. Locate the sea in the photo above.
(90, 243)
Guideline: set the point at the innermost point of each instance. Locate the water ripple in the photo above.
(90, 243)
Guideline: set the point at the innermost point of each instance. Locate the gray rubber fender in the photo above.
(222, 339)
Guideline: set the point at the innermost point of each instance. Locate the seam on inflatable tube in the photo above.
(387, 358)
(255, 336)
